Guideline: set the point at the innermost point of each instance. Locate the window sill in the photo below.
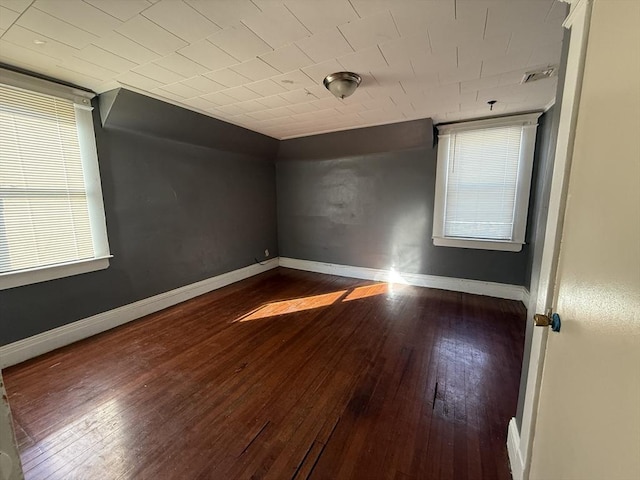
(51, 272)
(477, 244)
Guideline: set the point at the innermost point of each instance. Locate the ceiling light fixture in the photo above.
(342, 84)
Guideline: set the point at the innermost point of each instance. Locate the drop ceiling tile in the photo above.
(509, 78)
(181, 65)
(509, 94)
(105, 59)
(462, 31)
(265, 88)
(80, 14)
(557, 13)
(225, 13)
(203, 84)
(44, 24)
(404, 49)
(136, 80)
(206, 53)
(430, 64)
(530, 37)
(89, 69)
(510, 17)
(470, 71)
(182, 90)
(149, 35)
(363, 60)
(368, 31)
(274, 101)
(78, 78)
(240, 42)
(287, 58)
(320, 70)
(250, 106)
(487, 48)
(281, 112)
(199, 103)
(261, 115)
(158, 73)
(319, 91)
(121, 9)
(168, 96)
(20, 56)
(120, 45)
(480, 84)
(332, 13)
(505, 63)
(18, 6)
(255, 69)
(241, 94)
(298, 96)
(392, 89)
(230, 110)
(181, 20)
(375, 103)
(351, 108)
(365, 8)
(25, 38)
(546, 54)
(381, 115)
(329, 102)
(228, 78)
(276, 26)
(294, 80)
(390, 75)
(325, 45)
(7, 17)
(413, 18)
(302, 108)
(219, 98)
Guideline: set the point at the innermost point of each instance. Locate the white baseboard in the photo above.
(513, 448)
(22, 350)
(491, 289)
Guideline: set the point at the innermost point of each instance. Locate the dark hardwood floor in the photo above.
(286, 375)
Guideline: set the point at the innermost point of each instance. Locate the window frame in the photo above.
(529, 123)
(91, 174)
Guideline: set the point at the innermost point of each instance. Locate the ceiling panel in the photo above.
(260, 63)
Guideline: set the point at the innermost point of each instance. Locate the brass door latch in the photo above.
(554, 322)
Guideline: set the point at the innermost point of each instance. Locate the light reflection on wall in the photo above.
(407, 240)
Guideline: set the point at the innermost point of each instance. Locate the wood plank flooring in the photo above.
(286, 375)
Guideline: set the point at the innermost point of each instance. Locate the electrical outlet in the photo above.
(266, 252)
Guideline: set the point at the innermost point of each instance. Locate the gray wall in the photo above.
(176, 213)
(350, 198)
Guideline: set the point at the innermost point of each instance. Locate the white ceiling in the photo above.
(260, 63)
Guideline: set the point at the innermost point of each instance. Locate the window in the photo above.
(483, 182)
(52, 221)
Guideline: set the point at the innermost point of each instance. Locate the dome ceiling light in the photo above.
(342, 84)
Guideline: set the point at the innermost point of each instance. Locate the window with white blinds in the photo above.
(49, 219)
(483, 182)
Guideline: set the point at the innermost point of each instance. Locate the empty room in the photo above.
(294, 239)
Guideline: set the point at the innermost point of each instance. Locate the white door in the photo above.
(587, 422)
(10, 468)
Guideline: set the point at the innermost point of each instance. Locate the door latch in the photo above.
(554, 322)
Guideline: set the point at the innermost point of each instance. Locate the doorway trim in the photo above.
(520, 442)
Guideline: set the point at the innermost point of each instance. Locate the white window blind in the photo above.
(52, 222)
(481, 183)
(44, 214)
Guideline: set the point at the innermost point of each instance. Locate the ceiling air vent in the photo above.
(539, 74)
